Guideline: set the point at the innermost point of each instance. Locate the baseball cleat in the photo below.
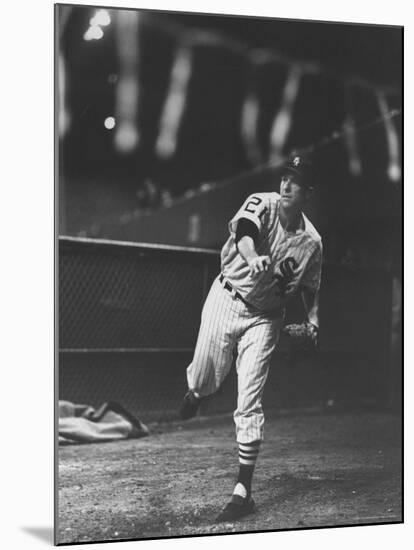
(237, 508)
(190, 405)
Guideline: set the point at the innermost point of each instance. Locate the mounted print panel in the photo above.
(229, 204)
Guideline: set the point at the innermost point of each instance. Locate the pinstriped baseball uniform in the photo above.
(243, 314)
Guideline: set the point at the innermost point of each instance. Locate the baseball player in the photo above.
(273, 252)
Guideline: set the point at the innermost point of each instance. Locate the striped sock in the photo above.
(248, 453)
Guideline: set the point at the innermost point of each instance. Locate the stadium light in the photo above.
(100, 19)
(93, 33)
(109, 123)
(394, 172)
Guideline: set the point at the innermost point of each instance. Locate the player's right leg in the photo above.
(213, 355)
(255, 349)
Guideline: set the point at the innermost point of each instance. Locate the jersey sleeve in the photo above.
(254, 209)
(312, 276)
(246, 228)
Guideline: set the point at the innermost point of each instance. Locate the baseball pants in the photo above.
(229, 326)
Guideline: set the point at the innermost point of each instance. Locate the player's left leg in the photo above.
(216, 342)
(255, 351)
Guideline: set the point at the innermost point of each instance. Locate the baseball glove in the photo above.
(302, 337)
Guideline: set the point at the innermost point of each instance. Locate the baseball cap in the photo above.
(300, 166)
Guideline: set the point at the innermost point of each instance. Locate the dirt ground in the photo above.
(313, 470)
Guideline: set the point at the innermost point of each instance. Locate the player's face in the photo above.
(293, 194)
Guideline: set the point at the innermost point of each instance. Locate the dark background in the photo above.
(101, 188)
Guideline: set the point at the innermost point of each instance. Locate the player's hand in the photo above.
(259, 265)
(302, 337)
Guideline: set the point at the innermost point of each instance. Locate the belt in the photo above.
(227, 286)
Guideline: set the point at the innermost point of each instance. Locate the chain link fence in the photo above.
(131, 297)
(128, 321)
